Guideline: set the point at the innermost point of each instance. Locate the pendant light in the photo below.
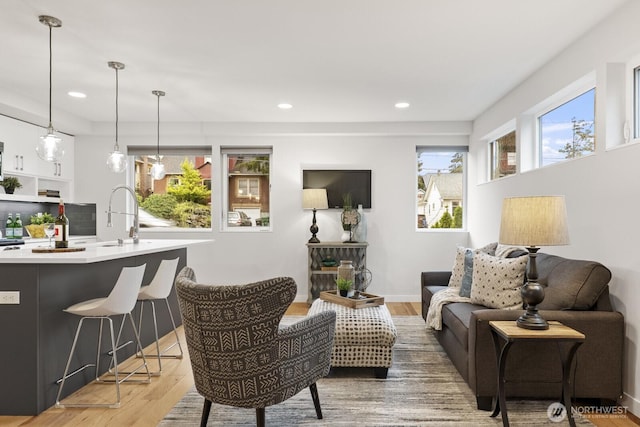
(117, 161)
(49, 146)
(157, 170)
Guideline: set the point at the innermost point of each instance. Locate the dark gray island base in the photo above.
(37, 334)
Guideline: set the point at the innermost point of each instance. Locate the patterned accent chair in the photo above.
(240, 354)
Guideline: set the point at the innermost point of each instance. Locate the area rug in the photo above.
(423, 388)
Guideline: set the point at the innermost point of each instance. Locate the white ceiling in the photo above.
(235, 60)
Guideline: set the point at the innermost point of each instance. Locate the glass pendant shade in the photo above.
(117, 161)
(49, 147)
(157, 170)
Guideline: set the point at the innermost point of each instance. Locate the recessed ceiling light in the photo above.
(402, 105)
(285, 106)
(76, 94)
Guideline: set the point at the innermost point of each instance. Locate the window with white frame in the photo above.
(246, 192)
(182, 198)
(440, 187)
(636, 102)
(502, 156)
(567, 131)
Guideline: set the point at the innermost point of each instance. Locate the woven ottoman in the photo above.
(364, 337)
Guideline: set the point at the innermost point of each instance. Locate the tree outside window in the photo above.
(179, 200)
(567, 132)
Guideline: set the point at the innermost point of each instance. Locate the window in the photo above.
(440, 197)
(636, 102)
(567, 131)
(180, 200)
(502, 152)
(246, 188)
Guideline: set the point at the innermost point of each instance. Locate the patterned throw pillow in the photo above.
(497, 281)
(467, 279)
(457, 271)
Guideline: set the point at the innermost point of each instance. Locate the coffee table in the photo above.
(364, 337)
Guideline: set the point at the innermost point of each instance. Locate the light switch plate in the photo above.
(9, 297)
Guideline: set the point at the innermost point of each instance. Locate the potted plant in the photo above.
(10, 183)
(344, 286)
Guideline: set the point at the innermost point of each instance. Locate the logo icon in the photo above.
(556, 412)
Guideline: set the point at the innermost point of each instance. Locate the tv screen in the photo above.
(340, 182)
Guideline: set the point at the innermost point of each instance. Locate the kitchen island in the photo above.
(37, 335)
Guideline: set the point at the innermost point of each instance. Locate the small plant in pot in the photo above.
(344, 286)
(10, 183)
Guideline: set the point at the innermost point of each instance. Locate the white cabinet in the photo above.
(19, 146)
(21, 160)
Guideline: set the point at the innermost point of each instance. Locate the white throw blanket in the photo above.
(438, 300)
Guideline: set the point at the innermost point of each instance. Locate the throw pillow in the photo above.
(467, 278)
(457, 271)
(497, 281)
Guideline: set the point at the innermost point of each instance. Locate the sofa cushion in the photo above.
(456, 316)
(497, 281)
(571, 284)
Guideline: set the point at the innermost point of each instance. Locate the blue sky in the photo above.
(556, 126)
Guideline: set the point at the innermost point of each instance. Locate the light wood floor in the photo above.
(146, 404)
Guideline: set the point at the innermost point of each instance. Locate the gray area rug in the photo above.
(423, 388)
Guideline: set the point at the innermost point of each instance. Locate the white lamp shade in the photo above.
(49, 147)
(157, 171)
(117, 161)
(534, 221)
(314, 198)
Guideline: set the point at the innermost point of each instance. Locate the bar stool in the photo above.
(120, 301)
(159, 289)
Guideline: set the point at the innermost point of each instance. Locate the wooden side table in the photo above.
(507, 332)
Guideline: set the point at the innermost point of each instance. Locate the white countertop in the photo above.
(94, 252)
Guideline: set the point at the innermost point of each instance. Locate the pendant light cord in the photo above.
(158, 161)
(50, 76)
(117, 148)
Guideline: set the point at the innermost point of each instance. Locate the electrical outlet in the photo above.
(9, 297)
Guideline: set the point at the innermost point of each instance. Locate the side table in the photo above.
(508, 333)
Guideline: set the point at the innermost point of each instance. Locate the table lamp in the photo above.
(533, 222)
(314, 198)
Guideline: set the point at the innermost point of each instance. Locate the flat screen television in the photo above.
(339, 182)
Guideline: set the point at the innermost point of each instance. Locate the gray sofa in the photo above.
(577, 294)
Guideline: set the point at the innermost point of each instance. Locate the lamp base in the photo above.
(532, 321)
(314, 239)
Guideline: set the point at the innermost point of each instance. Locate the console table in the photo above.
(508, 332)
(324, 279)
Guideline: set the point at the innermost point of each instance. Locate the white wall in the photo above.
(397, 253)
(602, 191)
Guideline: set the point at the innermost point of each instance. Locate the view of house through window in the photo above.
(503, 155)
(440, 192)
(246, 192)
(182, 199)
(567, 131)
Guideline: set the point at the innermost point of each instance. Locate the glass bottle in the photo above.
(347, 273)
(62, 228)
(17, 230)
(8, 232)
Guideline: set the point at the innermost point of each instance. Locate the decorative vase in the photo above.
(360, 233)
(344, 293)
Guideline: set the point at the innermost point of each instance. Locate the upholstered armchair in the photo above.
(240, 354)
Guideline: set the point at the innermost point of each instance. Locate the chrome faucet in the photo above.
(133, 231)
